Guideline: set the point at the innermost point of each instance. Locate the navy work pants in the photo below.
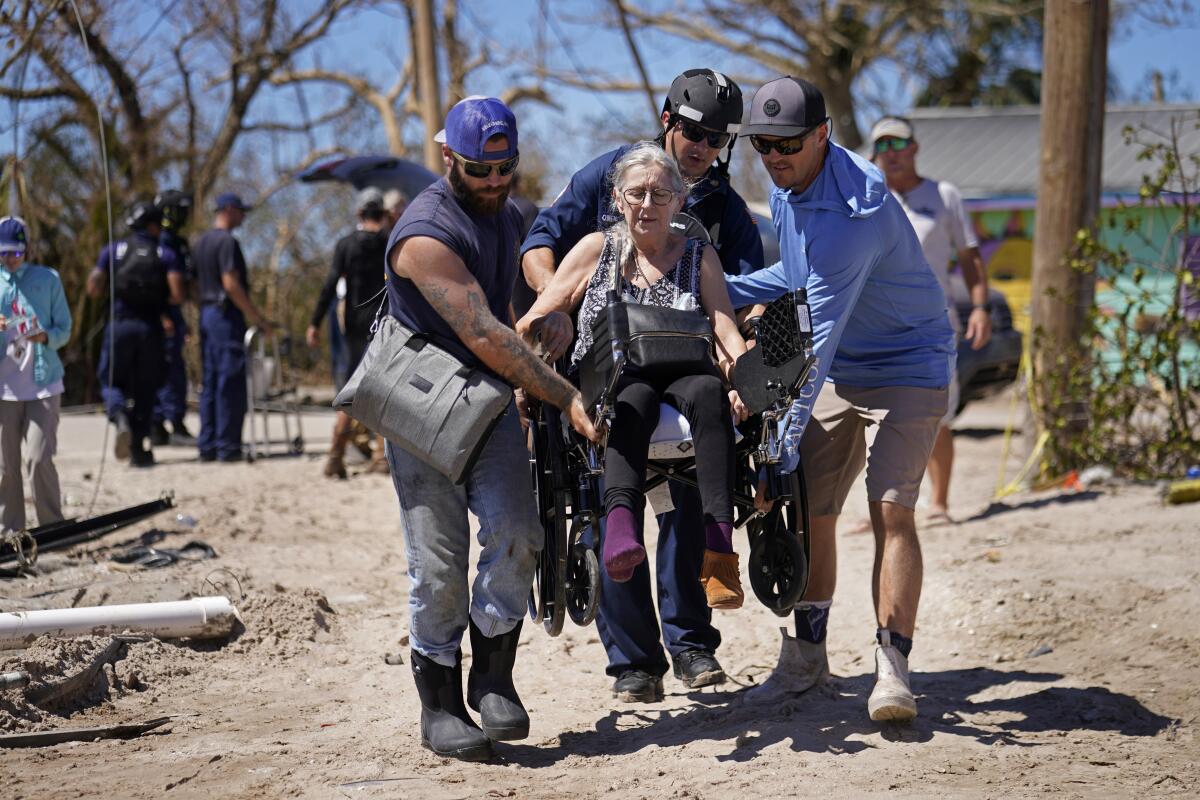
(223, 394)
(171, 403)
(628, 626)
(133, 348)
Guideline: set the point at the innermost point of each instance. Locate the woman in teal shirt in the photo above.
(34, 322)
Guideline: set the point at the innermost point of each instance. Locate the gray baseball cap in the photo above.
(786, 106)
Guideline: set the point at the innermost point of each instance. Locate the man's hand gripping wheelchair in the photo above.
(567, 471)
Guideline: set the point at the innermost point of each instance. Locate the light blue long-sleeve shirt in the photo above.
(39, 290)
(878, 312)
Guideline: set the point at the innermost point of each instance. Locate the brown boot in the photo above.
(335, 467)
(722, 584)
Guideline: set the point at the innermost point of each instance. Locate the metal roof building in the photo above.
(992, 153)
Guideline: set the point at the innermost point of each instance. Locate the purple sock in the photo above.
(622, 550)
(718, 536)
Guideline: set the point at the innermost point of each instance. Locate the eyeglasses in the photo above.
(891, 143)
(785, 147)
(637, 196)
(14, 253)
(482, 169)
(695, 133)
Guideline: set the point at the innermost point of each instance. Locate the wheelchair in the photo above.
(567, 470)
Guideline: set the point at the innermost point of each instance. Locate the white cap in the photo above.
(891, 126)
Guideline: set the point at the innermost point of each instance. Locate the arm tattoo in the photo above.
(515, 362)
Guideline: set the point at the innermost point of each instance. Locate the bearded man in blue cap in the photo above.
(884, 348)
(453, 262)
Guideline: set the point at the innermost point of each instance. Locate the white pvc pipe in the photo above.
(199, 618)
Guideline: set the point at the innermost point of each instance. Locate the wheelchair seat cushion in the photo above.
(673, 436)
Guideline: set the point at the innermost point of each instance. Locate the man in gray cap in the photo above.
(358, 260)
(884, 348)
(935, 209)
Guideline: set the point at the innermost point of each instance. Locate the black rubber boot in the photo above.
(446, 727)
(490, 689)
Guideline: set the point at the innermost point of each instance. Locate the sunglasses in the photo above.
(694, 133)
(891, 143)
(637, 196)
(785, 147)
(482, 169)
(14, 253)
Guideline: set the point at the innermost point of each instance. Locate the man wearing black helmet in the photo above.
(171, 403)
(356, 259)
(146, 280)
(700, 119)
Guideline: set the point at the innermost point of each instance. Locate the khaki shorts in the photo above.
(834, 446)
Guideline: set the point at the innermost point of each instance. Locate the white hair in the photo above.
(644, 155)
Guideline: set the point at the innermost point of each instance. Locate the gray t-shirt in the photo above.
(936, 212)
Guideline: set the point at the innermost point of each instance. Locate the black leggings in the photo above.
(703, 401)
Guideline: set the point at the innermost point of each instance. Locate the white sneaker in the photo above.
(892, 699)
(802, 665)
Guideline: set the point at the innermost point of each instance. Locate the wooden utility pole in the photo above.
(1074, 57)
(428, 88)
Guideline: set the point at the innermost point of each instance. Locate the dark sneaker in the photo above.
(180, 436)
(698, 668)
(638, 686)
(159, 437)
(139, 457)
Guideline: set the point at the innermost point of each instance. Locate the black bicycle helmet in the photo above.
(707, 98)
(142, 214)
(175, 206)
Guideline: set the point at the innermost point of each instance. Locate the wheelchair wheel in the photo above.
(779, 551)
(583, 584)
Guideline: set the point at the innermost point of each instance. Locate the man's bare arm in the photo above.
(177, 288)
(444, 281)
(538, 267)
(237, 295)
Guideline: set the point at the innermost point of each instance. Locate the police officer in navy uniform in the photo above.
(225, 307)
(700, 120)
(146, 280)
(171, 403)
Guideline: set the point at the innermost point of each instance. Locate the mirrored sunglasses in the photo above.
(482, 169)
(785, 147)
(891, 143)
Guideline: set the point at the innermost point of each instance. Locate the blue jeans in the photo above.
(437, 541)
(223, 394)
(627, 624)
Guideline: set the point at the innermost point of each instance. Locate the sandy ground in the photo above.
(1103, 584)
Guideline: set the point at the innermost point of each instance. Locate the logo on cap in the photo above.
(771, 107)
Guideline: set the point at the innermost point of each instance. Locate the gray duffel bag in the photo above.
(424, 399)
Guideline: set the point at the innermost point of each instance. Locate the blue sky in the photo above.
(1135, 49)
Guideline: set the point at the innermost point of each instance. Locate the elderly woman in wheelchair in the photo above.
(639, 288)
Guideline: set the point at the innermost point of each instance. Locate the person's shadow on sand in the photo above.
(833, 718)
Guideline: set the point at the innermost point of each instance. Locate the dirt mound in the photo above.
(70, 676)
(284, 622)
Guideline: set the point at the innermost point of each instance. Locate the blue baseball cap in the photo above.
(230, 200)
(12, 236)
(474, 120)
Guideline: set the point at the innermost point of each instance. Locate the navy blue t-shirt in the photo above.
(217, 252)
(104, 263)
(585, 205)
(486, 243)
